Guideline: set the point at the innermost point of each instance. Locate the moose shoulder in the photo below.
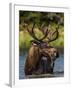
(41, 57)
(32, 59)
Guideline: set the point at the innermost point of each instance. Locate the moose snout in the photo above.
(44, 64)
(44, 58)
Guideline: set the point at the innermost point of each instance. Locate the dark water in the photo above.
(58, 68)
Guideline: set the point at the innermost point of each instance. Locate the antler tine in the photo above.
(28, 31)
(46, 33)
(57, 34)
(33, 27)
(32, 33)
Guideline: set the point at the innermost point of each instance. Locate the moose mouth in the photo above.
(45, 65)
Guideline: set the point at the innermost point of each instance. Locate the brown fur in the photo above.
(34, 57)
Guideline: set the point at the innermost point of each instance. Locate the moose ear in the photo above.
(57, 54)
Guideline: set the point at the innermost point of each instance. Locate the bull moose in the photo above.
(41, 56)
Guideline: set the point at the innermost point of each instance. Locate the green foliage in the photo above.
(41, 17)
(50, 19)
(24, 40)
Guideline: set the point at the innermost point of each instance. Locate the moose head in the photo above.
(41, 56)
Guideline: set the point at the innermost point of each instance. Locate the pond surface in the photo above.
(58, 68)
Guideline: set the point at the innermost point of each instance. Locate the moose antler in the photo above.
(47, 34)
(50, 35)
(32, 33)
(53, 33)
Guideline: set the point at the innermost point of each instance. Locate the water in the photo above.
(58, 68)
